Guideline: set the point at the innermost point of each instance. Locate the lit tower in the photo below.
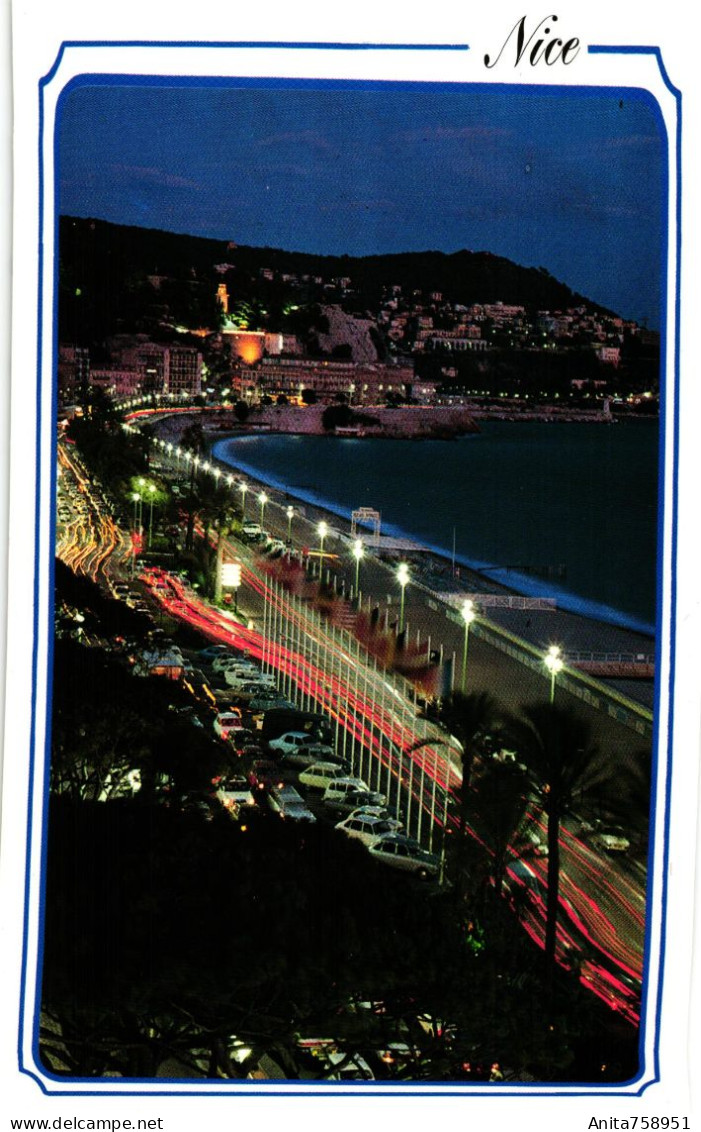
(223, 297)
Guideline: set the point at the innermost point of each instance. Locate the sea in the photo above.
(566, 510)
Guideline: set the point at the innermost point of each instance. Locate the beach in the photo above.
(434, 573)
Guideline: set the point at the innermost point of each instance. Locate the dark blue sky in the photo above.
(563, 180)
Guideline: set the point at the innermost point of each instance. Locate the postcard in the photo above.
(351, 719)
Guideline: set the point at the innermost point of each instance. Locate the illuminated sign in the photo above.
(231, 574)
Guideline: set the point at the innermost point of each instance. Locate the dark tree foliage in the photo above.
(124, 723)
(155, 919)
(334, 416)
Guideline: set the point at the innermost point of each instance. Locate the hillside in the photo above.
(114, 277)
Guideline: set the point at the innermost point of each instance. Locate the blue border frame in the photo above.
(330, 1088)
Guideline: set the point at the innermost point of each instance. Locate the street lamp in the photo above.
(468, 616)
(243, 488)
(290, 512)
(152, 492)
(136, 497)
(402, 578)
(358, 552)
(141, 484)
(323, 531)
(231, 578)
(554, 664)
(262, 499)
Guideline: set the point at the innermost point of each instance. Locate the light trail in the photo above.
(329, 668)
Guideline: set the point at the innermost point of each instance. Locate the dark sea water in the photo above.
(515, 496)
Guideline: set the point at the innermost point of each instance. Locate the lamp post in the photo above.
(229, 577)
(290, 513)
(554, 664)
(243, 488)
(468, 616)
(235, 583)
(141, 484)
(262, 499)
(358, 552)
(152, 492)
(323, 531)
(136, 497)
(402, 578)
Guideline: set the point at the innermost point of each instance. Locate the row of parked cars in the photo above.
(300, 776)
(363, 812)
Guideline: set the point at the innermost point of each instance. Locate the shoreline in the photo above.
(576, 631)
(481, 574)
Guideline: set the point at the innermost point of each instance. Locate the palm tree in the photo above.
(555, 743)
(500, 816)
(468, 717)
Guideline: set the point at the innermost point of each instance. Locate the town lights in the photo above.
(468, 615)
(554, 664)
(402, 578)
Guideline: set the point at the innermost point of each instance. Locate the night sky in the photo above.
(569, 181)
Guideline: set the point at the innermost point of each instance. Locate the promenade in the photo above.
(524, 628)
(540, 627)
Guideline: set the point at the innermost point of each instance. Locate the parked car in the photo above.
(212, 651)
(352, 800)
(338, 791)
(291, 741)
(611, 840)
(227, 722)
(266, 698)
(238, 677)
(187, 713)
(234, 792)
(366, 828)
(278, 720)
(319, 775)
(243, 739)
(251, 529)
(264, 774)
(255, 690)
(287, 802)
(377, 812)
(325, 753)
(405, 853)
(230, 659)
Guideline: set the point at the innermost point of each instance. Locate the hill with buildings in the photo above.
(115, 277)
(152, 311)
